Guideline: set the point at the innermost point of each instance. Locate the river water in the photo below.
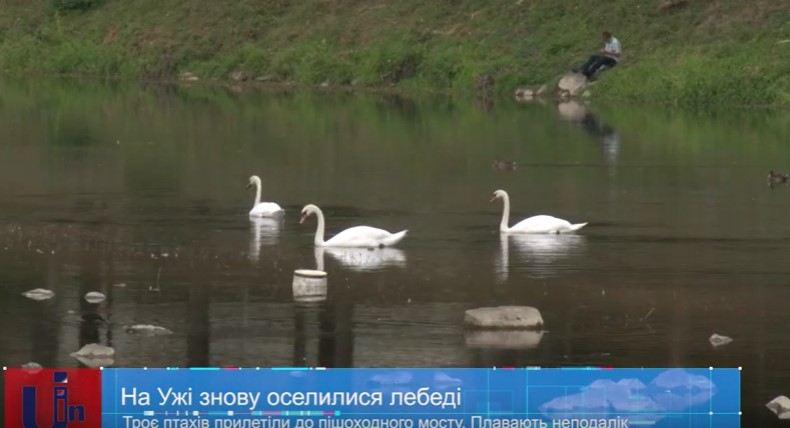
(139, 193)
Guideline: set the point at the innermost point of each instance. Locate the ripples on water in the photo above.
(140, 194)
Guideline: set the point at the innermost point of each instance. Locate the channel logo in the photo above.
(52, 398)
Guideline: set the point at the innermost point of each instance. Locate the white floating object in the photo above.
(39, 294)
(95, 297)
(148, 330)
(309, 285)
(780, 406)
(719, 340)
(94, 350)
(31, 365)
(512, 317)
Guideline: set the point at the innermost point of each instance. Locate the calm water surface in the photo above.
(101, 186)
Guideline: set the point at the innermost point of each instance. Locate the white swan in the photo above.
(534, 224)
(262, 209)
(359, 236)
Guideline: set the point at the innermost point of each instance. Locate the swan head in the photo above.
(499, 194)
(307, 211)
(254, 179)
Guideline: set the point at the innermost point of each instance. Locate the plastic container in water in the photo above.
(309, 285)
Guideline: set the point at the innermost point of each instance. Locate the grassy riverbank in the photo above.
(717, 52)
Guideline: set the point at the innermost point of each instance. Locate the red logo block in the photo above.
(52, 398)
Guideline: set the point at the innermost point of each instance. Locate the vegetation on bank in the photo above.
(675, 51)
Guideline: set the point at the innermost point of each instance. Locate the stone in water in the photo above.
(513, 317)
(148, 330)
(780, 406)
(94, 350)
(39, 294)
(95, 297)
(719, 340)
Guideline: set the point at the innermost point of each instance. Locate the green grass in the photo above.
(722, 52)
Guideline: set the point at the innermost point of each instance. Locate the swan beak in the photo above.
(301, 219)
(249, 185)
(492, 199)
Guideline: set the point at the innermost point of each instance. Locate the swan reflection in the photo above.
(540, 252)
(361, 259)
(263, 231)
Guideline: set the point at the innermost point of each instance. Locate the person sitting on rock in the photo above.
(609, 56)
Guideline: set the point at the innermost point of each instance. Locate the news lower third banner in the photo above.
(372, 398)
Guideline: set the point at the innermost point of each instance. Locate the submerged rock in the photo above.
(780, 406)
(96, 362)
(719, 340)
(148, 330)
(503, 339)
(512, 317)
(39, 294)
(95, 297)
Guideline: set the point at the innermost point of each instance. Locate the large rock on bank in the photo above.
(506, 317)
(573, 84)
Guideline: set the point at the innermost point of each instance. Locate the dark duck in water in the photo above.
(775, 178)
(504, 165)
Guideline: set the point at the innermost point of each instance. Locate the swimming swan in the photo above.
(262, 209)
(359, 236)
(535, 224)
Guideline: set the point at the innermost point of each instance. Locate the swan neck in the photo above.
(319, 229)
(318, 252)
(257, 192)
(503, 226)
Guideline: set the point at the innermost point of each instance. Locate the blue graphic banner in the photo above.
(420, 398)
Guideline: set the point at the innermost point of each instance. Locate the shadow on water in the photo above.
(46, 325)
(577, 113)
(198, 323)
(334, 329)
